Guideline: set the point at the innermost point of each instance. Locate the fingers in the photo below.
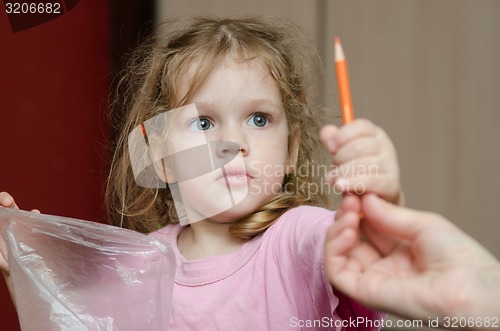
(345, 238)
(355, 149)
(346, 254)
(355, 130)
(333, 137)
(364, 159)
(328, 135)
(347, 217)
(379, 241)
(385, 185)
(349, 203)
(341, 238)
(6, 200)
(396, 221)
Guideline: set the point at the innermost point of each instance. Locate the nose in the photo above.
(231, 142)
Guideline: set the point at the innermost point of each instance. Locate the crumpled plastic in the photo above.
(70, 274)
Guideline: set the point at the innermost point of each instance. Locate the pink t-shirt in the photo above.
(272, 282)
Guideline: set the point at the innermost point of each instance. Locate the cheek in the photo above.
(272, 170)
(271, 153)
(279, 152)
(274, 143)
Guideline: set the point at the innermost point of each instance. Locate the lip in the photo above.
(234, 176)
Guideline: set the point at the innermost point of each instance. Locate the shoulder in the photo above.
(168, 233)
(305, 216)
(300, 227)
(309, 211)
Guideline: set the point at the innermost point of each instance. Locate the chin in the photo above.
(231, 216)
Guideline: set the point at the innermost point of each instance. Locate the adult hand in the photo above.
(411, 263)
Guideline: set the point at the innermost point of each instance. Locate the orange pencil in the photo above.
(343, 83)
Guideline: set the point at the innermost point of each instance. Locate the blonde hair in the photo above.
(150, 85)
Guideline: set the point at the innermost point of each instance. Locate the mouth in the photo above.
(234, 176)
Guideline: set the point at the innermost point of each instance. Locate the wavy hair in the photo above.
(149, 86)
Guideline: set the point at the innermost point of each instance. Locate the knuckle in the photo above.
(366, 124)
(435, 218)
(360, 146)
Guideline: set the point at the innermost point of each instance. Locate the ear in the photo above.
(293, 148)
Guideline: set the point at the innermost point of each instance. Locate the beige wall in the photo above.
(427, 71)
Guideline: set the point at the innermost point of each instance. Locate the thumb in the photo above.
(349, 203)
(328, 135)
(392, 220)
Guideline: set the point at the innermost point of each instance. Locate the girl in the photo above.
(218, 155)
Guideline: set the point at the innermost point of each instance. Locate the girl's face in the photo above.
(237, 118)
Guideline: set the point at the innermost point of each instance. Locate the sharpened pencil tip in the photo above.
(338, 51)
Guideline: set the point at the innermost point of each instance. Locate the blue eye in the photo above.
(201, 124)
(258, 120)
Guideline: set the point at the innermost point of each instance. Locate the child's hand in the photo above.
(7, 201)
(364, 158)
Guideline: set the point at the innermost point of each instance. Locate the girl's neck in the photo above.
(205, 239)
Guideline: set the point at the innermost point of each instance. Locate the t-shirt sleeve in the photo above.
(308, 228)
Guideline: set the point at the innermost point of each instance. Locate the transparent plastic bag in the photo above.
(70, 274)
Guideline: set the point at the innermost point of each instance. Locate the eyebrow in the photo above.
(254, 103)
(264, 102)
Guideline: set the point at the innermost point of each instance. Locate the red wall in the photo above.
(53, 94)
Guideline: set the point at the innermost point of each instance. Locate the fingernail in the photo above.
(341, 183)
(8, 201)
